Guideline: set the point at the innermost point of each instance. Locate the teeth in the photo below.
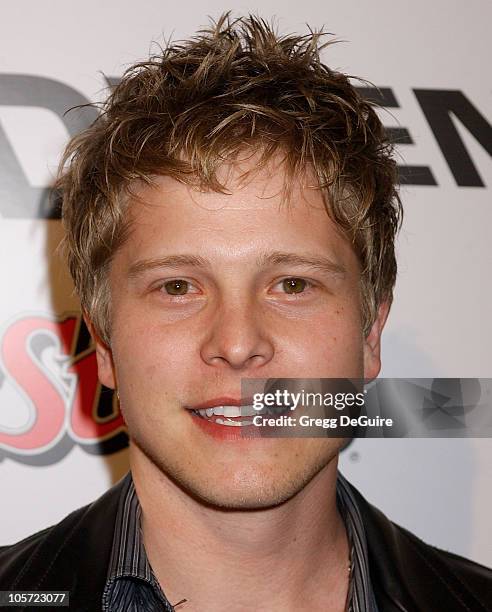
(228, 411)
(233, 423)
(231, 411)
(247, 410)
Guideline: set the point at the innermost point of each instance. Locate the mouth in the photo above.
(231, 412)
(229, 415)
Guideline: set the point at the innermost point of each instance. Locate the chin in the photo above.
(248, 488)
(249, 484)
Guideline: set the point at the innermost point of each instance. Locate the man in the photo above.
(231, 215)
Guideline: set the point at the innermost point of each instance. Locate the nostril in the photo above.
(237, 347)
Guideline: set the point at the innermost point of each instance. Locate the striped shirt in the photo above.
(132, 587)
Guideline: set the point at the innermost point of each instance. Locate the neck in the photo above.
(289, 557)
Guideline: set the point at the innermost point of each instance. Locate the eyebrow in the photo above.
(169, 261)
(320, 263)
(276, 258)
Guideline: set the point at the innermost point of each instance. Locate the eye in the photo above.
(294, 285)
(176, 287)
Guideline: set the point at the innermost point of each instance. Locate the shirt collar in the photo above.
(130, 578)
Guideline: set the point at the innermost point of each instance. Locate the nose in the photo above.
(237, 338)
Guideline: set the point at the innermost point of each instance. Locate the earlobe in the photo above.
(104, 356)
(372, 343)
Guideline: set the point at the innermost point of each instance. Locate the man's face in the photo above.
(211, 288)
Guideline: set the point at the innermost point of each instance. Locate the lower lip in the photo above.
(226, 432)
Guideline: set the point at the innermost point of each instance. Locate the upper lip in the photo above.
(222, 401)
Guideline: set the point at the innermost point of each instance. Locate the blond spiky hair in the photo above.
(200, 102)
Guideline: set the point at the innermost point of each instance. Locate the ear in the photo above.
(104, 356)
(372, 343)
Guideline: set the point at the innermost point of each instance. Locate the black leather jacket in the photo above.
(407, 575)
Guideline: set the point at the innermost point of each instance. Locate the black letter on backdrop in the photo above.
(437, 106)
(17, 198)
(409, 175)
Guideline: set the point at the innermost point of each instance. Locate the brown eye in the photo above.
(294, 285)
(176, 287)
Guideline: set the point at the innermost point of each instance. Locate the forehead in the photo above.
(263, 209)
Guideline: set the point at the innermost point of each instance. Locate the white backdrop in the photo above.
(433, 58)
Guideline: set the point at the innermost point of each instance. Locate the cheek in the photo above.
(328, 345)
(150, 368)
(147, 356)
